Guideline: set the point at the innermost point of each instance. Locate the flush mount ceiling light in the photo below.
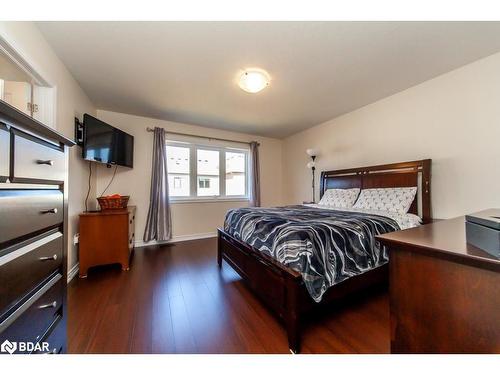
(253, 80)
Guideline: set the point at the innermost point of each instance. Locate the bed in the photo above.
(266, 246)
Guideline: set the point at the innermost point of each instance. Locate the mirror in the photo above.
(22, 89)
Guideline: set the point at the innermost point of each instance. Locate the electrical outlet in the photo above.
(76, 238)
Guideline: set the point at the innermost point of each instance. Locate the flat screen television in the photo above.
(106, 144)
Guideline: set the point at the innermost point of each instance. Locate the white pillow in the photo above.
(341, 198)
(388, 199)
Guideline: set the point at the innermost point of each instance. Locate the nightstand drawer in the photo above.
(24, 268)
(26, 211)
(36, 160)
(131, 230)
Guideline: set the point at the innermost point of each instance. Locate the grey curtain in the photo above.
(255, 183)
(159, 222)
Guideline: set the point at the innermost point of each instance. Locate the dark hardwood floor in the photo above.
(174, 299)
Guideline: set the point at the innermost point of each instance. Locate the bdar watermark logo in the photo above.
(22, 347)
(8, 347)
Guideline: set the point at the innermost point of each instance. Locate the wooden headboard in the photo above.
(406, 174)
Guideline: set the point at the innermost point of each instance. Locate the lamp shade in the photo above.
(311, 152)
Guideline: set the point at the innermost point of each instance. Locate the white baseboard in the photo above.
(73, 272)
(188, 237)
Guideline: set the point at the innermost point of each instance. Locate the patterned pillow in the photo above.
(389, 199)
(342, 198)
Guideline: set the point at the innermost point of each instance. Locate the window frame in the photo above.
(193, 173)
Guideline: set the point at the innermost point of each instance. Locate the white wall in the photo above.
(453, 119)
(188, 219)
(72, 102)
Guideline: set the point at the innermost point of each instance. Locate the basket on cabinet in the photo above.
(113, 202)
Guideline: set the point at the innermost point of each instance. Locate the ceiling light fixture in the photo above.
(254, 80)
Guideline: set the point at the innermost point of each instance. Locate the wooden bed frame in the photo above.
(282, 288)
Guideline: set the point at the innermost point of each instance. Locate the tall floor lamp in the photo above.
(312, 165)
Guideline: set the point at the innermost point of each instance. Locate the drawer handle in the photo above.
(53, 257)
(262, 261)
(49, 211)
(51, 305)
(269, 266)
(45, 162)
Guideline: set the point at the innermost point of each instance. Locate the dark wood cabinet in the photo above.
(36, 159)
(31, 320)
(106, 237)
(444, 294)
(43, 258)
(33, 233)
(29, 211)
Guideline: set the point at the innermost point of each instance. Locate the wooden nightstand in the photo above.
(304, 202)
(106, 237)
(444, 293)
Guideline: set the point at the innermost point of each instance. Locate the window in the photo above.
(235, 173)
(178, 171)
(208, 173)
(204, 183)
(197, 172)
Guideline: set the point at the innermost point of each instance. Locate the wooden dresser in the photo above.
(444, 293)
(33, 234)
(106, 237)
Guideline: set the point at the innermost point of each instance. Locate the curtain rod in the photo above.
(150, 130)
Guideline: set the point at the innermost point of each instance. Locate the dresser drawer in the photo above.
(24, 268)
(36, 160)
(55, 338)
(26, 211)
(33, 318)
(4, 153)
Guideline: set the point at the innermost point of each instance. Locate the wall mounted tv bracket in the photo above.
(78, 132)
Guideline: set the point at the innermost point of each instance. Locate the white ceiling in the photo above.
(186, 71)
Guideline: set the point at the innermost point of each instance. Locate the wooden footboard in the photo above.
(282, 288)
(278, 286)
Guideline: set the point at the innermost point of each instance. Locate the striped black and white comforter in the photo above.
(325, 246)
